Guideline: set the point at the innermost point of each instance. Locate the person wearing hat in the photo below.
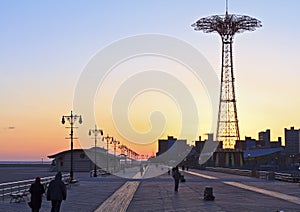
(57, 192)
(36, 190)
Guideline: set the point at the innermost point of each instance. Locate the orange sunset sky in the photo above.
(46, 45)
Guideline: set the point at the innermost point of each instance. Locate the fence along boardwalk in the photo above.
(18, 190)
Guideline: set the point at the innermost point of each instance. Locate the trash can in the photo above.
(208, 193)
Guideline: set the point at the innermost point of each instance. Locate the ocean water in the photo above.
(11, 172)
(25, 162)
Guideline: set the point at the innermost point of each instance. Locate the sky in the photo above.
(45, 46)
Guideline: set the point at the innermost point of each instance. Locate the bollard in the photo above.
(208, 193)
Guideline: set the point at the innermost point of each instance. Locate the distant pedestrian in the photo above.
(176, 175)
(56, 192)
(36, 190)
(141, 169)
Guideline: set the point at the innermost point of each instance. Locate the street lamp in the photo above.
(129, 155)
(95, 132)
(124, 149)
(108, 138)
(71, 119)
(115, 142)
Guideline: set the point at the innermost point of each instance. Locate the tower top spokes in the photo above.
(227, 25)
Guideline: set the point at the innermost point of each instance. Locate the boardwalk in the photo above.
(233, 193)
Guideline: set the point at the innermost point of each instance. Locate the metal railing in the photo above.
(10, 188)
(230, 171)
(287, 177)
(269, 175)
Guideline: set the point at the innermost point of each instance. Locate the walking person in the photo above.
(36, 190)
(141, 170)
(56, 192)
(176, 175)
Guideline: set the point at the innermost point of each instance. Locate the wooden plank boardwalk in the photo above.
(121, 199)
(232, 193)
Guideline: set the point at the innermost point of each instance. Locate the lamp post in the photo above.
(129, 155)
(95, 132)
(124, 149)
(71, 119)
(115, 142)
(108, 138)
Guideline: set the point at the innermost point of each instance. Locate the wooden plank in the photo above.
(120, 200)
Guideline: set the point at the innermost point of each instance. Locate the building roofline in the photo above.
(63, 152)
(103, 151)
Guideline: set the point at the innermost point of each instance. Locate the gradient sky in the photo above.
(46, 44)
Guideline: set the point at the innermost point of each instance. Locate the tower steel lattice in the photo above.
(226, 26)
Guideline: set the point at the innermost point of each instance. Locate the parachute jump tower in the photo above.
(227, 26)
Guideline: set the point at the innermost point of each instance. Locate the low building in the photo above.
(83, 160)
(228, 158)
(263, 158)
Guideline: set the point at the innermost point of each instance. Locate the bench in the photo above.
(18, 197)
(99, 172)
(68, 182)
(103, 173)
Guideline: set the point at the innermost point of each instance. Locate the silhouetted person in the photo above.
(56, 192)
(141, 170)
(182, 167)
(36, 190)
(173, 171)
(176, 175)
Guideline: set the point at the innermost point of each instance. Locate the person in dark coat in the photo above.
(36, 190)
(56, 192)
(176, 176)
